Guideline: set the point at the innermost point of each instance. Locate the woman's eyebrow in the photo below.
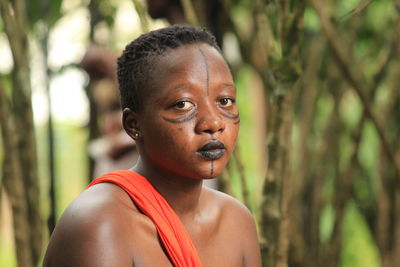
(228, 85)
(180, 87)
(162, 97)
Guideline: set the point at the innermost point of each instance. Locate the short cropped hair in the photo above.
(137, 62)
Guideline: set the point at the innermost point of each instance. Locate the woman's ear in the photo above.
(130, 121)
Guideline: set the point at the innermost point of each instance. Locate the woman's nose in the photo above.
(210, 123)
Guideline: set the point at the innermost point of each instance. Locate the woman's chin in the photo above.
(210, 172)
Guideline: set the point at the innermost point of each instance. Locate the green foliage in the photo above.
(7, 255)
(344, 8)
(369, 149)
(346, 149)
(358, 245)
(311, 21)
(48, 11)
(324, 109)
(107, 11)
(326, 224)
(380, 15)
(247, 140)
(71, 148)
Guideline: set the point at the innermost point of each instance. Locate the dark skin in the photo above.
(103, 227)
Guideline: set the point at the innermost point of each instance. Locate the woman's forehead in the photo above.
(194, 51)
(192, 62)
(198, 68)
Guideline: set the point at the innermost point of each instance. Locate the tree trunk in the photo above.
(276, 190)
(14, 20)
(13, 183)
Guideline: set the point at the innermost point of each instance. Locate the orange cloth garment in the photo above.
(173, 234)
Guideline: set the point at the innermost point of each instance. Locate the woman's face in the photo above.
(190, 120)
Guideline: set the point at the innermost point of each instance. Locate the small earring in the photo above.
(136, 134)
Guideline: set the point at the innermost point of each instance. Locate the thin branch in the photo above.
(224, 180)
(308, 97)
(386, 58)
(283, 19)
(242, 176)
(344, 186)
(263, 29)
(357, 10)
(10, 26)
(141, 11)
(190, 13)
(341, 60)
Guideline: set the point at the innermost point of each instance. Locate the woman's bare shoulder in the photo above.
(97, 227)
(228, 205)
(97, 206)
(237, 222)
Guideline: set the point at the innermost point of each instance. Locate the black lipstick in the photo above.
(212, 151)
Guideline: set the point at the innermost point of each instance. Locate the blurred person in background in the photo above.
(170, 10)
(113, 149)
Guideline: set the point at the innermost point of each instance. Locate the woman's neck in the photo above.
(181, 193)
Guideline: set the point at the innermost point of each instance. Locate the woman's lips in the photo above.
(212, 151)
(212, 155)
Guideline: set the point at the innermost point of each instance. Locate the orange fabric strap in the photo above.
(173, 234)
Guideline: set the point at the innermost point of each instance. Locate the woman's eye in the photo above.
(183, 105)
(226, 102)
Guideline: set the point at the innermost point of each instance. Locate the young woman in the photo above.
(178, 100)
